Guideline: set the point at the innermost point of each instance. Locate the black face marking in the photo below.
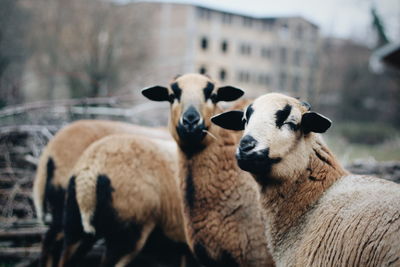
(282, 115)
(249, 112)
(177, 90)
(191, 137)
(247, 143)
(224, 259)
(208, 90)
(257, 162)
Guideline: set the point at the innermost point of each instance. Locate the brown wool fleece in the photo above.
(70, 142)
(318, 214)
(143, 175)
(222, 211)
(226, 216)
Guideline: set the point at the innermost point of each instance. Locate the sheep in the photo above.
(55, 164)
(223, 222)
(123, 187)
(317, 213)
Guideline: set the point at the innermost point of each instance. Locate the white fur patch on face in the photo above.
(273, 123)
(192, 91)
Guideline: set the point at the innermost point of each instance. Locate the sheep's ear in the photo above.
(306, 105)
(227, 93)
(315, 122)
(157, 93)
(231, 120)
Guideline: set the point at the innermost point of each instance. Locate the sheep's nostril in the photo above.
(247, 143)
(191, 119)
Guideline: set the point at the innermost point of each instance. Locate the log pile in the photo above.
(389, 170)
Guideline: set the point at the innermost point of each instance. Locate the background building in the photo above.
(256, 54)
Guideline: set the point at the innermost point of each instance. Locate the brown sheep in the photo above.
(317, 214)
(55, 164)
(123, 187)
(223, 219)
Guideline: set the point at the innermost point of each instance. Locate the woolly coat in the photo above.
(222, 210)
(62, 152)
(143, 177)
(327, 217)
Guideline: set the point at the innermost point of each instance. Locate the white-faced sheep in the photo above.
(222, 211)
(55, 164)
(123, 187)
(317, 214)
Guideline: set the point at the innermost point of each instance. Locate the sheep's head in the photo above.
(193, 99)
(276, 131)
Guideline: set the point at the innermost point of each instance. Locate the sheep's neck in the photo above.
(286, 204)
(208, 176)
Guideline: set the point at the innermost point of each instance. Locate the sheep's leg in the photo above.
(74, 252)
(122, 250)
(76, 242)
(51, 246)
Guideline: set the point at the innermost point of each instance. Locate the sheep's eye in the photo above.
(293, 126)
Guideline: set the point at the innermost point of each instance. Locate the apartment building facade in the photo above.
(257, 54)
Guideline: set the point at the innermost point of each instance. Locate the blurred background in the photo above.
(63, 60)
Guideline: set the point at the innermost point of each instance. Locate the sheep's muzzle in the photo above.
(256, 162)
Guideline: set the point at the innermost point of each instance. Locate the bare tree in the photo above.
(13, 50)
(83, 44)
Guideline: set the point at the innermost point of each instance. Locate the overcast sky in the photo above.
(340, 18)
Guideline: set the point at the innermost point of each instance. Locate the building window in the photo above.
(265, 52)
(204, 13)
(284, 31)
(244, 76)
(226, 18)
(297, 58)
(204, 43)
(313, 34)
(202, 70)
(267, 25)
(245, 49)
(248, 22)
(264, 79)
(224, 46)
(283, 55)
(299, 32)
(222, 75)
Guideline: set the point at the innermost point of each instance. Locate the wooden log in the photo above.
(22, 233)
(19, 252)
(18, 109)
(5, 130)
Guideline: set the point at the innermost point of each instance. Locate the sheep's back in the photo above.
(71, 141)
(134, 165)
(355, 223)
